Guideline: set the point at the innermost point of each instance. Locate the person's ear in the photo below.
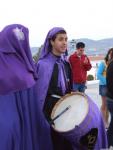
(52, 42)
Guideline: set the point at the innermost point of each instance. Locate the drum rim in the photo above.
(63, 98)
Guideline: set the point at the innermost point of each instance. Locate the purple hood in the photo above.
(16, 63)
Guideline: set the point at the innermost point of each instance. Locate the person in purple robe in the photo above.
(54, 78)
(54, 81)
(22, 126)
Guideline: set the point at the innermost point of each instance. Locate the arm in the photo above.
(100, 70)
(86, 63)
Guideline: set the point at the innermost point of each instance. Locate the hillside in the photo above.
(93, 47)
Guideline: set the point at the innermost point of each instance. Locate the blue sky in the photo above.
(81, 18)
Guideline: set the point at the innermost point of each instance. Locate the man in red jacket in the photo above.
(80, 64)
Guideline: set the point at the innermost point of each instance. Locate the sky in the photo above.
(81, 18)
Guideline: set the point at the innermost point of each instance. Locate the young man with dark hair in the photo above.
(80, 45)
(54, 79)
(80, 64)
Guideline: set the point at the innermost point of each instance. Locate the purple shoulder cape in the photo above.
(44, 70)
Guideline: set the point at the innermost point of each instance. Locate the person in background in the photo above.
(80, 64)
(21, 123)
(54, 81)
(101, 76)
(109, 81)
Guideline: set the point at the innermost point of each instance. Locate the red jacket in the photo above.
(79, 68)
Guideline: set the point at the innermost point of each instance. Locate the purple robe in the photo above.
(22, 126)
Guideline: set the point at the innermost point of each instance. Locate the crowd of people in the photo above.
(29, 91)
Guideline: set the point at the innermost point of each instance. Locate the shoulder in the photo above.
(110, 65)
(45, 64)
(45, 61)
(41, 65)
(42, 62)
(73, 55)
(102, 63)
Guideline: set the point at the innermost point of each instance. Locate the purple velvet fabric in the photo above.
(22, 126)
(16, 64)
(22, 123)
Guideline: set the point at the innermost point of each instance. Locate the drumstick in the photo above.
(52, 120)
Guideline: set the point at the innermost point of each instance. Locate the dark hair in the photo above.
(80, 45)
(60, 32)
(107, 55)
(54, 37)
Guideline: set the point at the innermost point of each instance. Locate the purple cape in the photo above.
(22, 126)
(16, 64)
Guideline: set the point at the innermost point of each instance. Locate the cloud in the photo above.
(89, 18)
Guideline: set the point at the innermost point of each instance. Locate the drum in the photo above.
(77, 118)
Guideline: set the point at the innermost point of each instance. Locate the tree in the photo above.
(90, 77)
(36, 56)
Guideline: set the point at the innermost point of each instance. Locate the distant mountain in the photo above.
(93, 47)
(34, 50)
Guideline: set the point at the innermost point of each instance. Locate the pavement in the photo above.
(93, 91)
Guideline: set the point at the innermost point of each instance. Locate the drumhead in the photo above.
(77, 105)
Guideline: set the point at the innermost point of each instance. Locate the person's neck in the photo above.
(79, 55)
(56, 53)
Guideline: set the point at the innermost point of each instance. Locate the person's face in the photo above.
(110, 55)
(80, 51)
(59, 45)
